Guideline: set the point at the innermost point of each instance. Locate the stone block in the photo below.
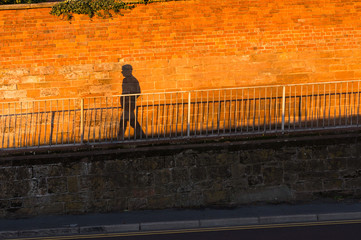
(49, 92)
(57, 185)
(73, 184)
(268, 194)
(15, 94)
(273, 175)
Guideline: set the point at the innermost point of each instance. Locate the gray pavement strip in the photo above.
(110, 228)
(9, 234)
(228, 222)
(169, 225)
(288, 219)
(339, 216)
(48, 232)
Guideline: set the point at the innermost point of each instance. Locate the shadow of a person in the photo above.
(128, 103)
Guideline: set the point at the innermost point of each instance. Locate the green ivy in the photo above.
(101, 8)
(89, 7)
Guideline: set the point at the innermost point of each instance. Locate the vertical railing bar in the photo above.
(300, 109)
(95, 110)
(35, 125)
(153, 116)
(311, 104)
(358, 101)
(101, 119)
(248, 111)
(219, 112)
(289, 108)
(230, 113)
(340, 107)
(283, 108)
(21, 117)
(82, 120)
(329, 105)
(141, 117)
(207, 113)
(276, 110)
(306, 109)
(324, 106)
(68, 137)
(176, 115)
(159, 112)
(15, 118)
(352, 103)
(40, 120)
(270, 110)
(259, 109)
(26, 124)
(224, 111)
(294, 109)
(265, 111)
(74, 118)
(182, 116)
(201, 116)
(147, 116)
(111, 119)
(318, 105)
(106, 118)
(171, 113)
(146, 135)
(235, 112)
(346, 104)
(189, 114)
(335, 106)
(51, 123)
(254, 109)
(213, 113)
(46, 121)
(9, 114)
(129, 114)
(165, 113)
(195, 113)
(57, 122)
(3, 127)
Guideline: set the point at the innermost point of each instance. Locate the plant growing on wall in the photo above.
(101, 8)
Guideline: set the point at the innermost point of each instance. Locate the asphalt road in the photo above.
(295, 231)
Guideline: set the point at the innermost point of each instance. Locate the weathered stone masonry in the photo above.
(90, 179)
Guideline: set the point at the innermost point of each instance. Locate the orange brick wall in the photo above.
(181, 45)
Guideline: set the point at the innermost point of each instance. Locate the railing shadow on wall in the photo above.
(174, 115)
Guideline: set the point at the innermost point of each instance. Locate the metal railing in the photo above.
(182, 114)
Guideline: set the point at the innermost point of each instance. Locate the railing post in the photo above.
(283, 108)
(189, 115)
(82, 120)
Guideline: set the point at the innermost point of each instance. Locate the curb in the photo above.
(174, 225)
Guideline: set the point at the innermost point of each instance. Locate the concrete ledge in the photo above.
(27, 6)
(110, 228)
(288, 219)
(339, 216)
(228, 222)
(169, 225)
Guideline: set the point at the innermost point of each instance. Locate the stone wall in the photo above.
(180, 45)
(117, 178)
